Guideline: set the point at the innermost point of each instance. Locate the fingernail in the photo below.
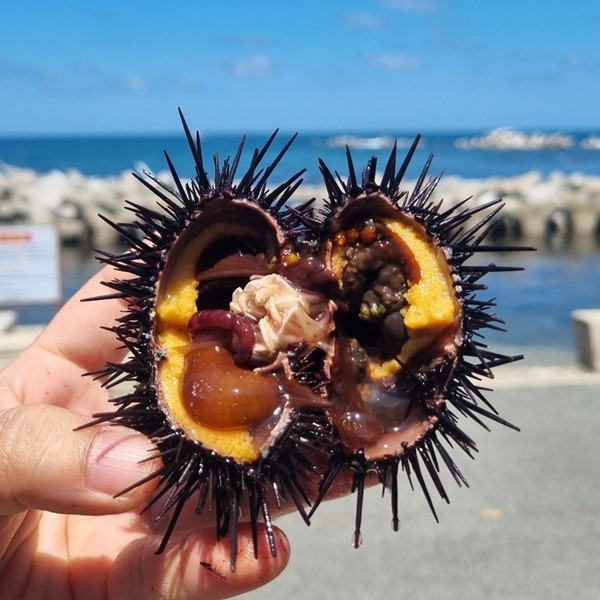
(115, 461)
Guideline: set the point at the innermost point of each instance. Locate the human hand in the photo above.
(63, 534)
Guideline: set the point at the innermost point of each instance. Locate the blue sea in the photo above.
(110, 155)
(536, 303)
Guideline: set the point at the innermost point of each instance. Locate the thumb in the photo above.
(46, 465)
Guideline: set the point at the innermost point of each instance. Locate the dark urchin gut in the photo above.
(404, 413)
(194, 469)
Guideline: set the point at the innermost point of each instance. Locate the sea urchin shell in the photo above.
(262, 334)
(408, 353)
(217, 329)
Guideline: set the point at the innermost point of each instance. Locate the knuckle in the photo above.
(19, 455)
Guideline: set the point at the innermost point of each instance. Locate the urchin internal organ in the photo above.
(263, 334)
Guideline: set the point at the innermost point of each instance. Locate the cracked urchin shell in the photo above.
(409, 353)
(215, 329)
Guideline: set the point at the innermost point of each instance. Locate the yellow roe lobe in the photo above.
(432, 300)
(178, 304)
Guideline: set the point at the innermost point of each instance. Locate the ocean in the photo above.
(111, 155)
(536, 304)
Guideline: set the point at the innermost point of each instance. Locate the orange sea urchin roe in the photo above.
(219, 394)
(432, 300)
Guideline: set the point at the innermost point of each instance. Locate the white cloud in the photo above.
(135, 83)
(395, 62)
(28, 73)
(360, 19)
(414, 6)
(251, 66)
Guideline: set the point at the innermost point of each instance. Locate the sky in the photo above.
(114, 66)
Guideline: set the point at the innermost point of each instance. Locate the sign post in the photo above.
(29, 265)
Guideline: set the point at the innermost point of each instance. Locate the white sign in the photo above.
(29, 265)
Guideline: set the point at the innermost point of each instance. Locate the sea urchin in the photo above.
(272, 344)
(409, 354)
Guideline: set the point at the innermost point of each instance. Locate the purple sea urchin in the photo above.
(263, 334)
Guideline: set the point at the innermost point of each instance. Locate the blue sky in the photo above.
(114, 66)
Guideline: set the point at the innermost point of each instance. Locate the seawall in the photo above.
(535, 207)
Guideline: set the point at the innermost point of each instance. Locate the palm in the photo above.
(107, 556)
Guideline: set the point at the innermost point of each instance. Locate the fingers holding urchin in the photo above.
(197, 565)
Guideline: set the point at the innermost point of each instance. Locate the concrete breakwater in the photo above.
(535, 207)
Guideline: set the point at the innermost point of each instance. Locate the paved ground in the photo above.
(528, 527)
